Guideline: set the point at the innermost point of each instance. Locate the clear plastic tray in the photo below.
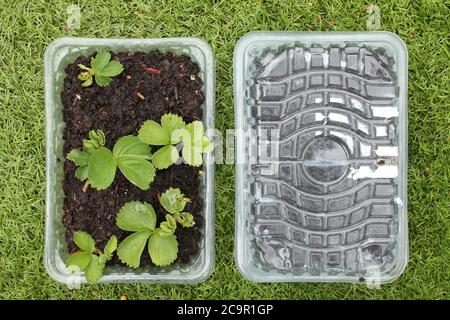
(58, 55)
(321, 156)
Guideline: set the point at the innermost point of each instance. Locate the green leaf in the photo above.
(80, 158)
(96, 140)
(130, 249)
(194, 143)
(153, 133)
(90, 146)
(207, 145)
(101, 168)
(84, 76)
(163, 250)
(83, 67)
(98, 137)
(179, 135)
(171, 122)
(165, 157)
(131, 155)
(80, 259)
(185, 219)
(94, 270)
(84, 241)
(101, 68)
(196, 131)
(169, 226)
(110, 247)
(173, 200)
(131, 146)
(81, 173)
(136, 216)
(113, 68)
(87, 82)
(139, 172)
(102, 81)
(192, 155)
(101, 60)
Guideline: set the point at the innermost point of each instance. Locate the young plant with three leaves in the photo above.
(81, 157)
(174, 201)
(102, 69)
(90, 259)
(140, 218)
(98, 164)
(172, 133)
(194, 143)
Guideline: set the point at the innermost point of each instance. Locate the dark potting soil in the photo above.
(136, 95)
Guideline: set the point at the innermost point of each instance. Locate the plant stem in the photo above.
(86, 185)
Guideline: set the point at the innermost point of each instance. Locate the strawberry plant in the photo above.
(172, 133)
(102, 69)
(81, 157)
(194, 143)
(98, 164)
(140, 218)
(174, 202)
(90, 259)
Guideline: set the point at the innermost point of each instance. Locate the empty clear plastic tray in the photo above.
(58, 55)
(321, 156)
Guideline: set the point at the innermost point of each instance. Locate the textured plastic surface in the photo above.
(59, 54)
(321, 124)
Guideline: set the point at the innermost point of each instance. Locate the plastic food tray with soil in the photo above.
(321, 123)
(130, 175)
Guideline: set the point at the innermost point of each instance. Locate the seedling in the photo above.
(171, 132)
(140, 218)
(81, 157)
(90, 259)
(102, 69)
(98, 164)
(174, 202)
(194, 143)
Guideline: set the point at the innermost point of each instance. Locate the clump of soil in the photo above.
(151, 85)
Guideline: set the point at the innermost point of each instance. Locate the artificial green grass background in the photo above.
(26, 28)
